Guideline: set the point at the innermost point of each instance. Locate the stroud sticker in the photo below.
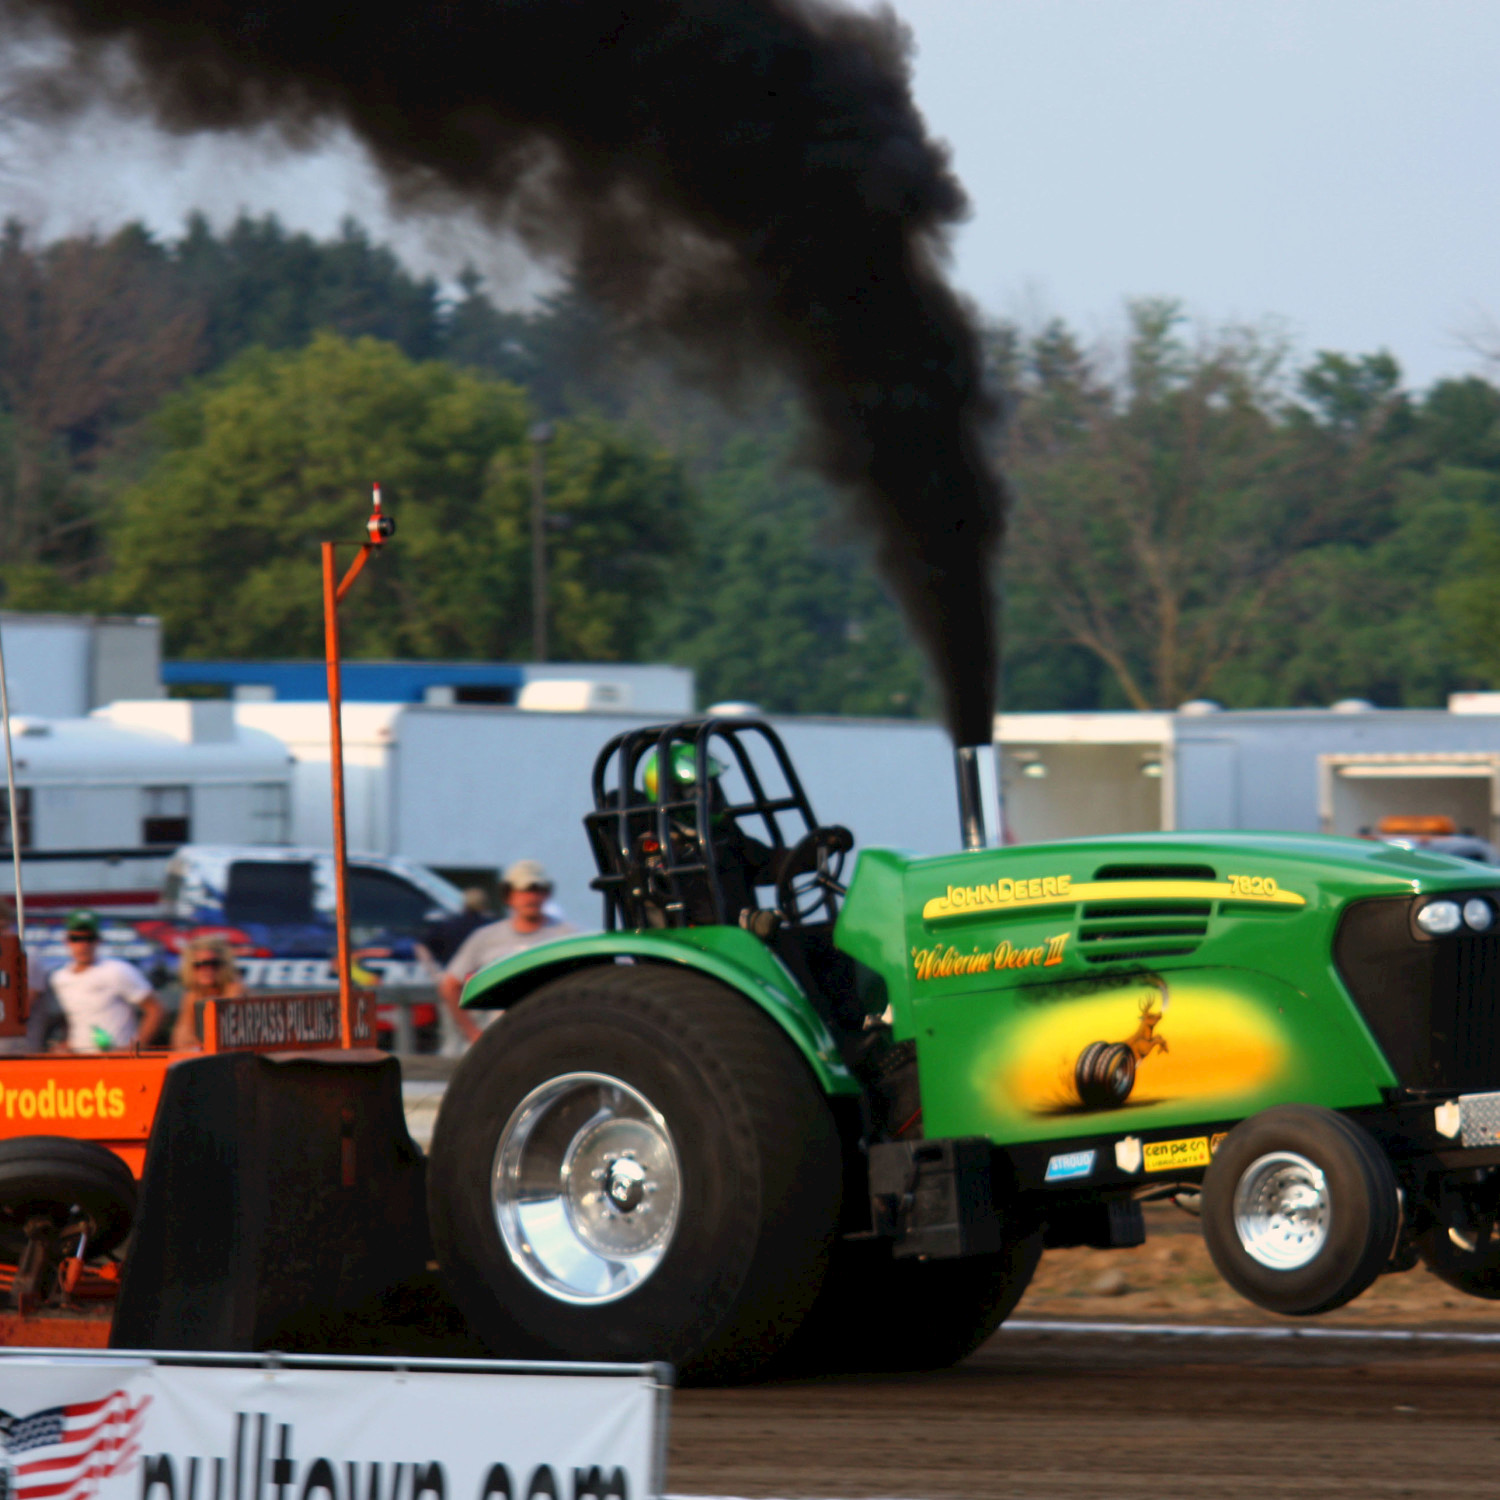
(1069, 1165)
(1163, 1156)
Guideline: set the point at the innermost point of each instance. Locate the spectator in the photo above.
(208, 973)
(525, 891)
(107, 1002)
(443, 939)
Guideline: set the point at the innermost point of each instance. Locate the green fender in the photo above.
(728, 954)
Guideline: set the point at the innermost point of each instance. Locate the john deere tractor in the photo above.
(767, 1121)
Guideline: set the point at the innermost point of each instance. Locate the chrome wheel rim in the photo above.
(586, 1188)
(1282, 1213)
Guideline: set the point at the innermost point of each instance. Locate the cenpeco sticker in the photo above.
(1163, 1156)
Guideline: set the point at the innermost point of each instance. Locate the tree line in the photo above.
(1194, 514)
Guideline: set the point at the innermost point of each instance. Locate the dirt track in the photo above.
(1052, 1416)
(1063, 1415)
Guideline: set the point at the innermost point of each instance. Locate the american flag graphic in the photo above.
(63, 1452)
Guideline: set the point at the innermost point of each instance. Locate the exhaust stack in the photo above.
(970, 803)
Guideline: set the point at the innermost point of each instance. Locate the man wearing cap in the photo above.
(107, 1002)
(524, 890)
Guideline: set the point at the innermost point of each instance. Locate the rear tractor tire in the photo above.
(635, 1164)
(1300, 1209)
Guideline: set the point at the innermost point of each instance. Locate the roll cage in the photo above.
(664, 861)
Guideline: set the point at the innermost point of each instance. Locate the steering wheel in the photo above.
(809, 884)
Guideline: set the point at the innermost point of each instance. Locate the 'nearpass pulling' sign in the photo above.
(269, 1023)
(265, 1430)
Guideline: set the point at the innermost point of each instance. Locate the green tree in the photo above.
(258, 284)
(91, 338)
(779, 607)
(1157, 514)
(278, 452)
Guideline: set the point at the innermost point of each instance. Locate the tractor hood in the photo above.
(1145, 897)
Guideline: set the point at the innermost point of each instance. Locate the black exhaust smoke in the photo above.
(748, 178)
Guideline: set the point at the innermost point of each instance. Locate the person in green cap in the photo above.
(107, 1002)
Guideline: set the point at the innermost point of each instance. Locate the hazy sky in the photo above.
(1318, 162)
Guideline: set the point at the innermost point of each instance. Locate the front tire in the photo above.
(1300, 1209)
(635, 1164)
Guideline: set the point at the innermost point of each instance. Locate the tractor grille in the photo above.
(1433, 1005)
(1110, 931)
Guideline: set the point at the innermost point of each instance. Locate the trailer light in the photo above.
(1479, 915)
(1439, 918)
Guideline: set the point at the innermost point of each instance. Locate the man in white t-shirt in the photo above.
(108, 1003)
(524, 890)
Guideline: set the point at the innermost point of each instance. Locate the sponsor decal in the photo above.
(1165, 1156)
(1128, 1153)
(63, 1101)
(1215, 1141)
(1010, 894)
(946, 963)
(1071, 1164)
(316, 973)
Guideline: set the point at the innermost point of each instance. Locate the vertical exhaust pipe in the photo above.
(970, 804)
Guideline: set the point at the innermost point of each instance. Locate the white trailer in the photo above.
(1297, 770)
(65, 666)
(103, 801)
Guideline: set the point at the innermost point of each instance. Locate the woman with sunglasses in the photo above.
(208, 973)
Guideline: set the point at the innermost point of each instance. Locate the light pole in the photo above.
(540, 435)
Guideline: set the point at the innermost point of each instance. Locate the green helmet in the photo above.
(684, 768)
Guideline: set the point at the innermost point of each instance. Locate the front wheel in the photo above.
(635, 1164)
(1300, 1209)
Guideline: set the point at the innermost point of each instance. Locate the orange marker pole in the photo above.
(336, 768)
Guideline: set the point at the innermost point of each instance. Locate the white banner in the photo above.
(141, 1427)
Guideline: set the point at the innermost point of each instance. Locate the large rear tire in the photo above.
(1300, 1209)
(634, 1164)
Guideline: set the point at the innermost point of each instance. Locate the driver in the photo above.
(740, 861)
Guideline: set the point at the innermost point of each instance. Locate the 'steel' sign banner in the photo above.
(103, 1427)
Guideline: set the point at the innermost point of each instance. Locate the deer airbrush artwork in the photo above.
(1104, 1074)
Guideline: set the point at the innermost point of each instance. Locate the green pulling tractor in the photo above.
(770, 1121)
